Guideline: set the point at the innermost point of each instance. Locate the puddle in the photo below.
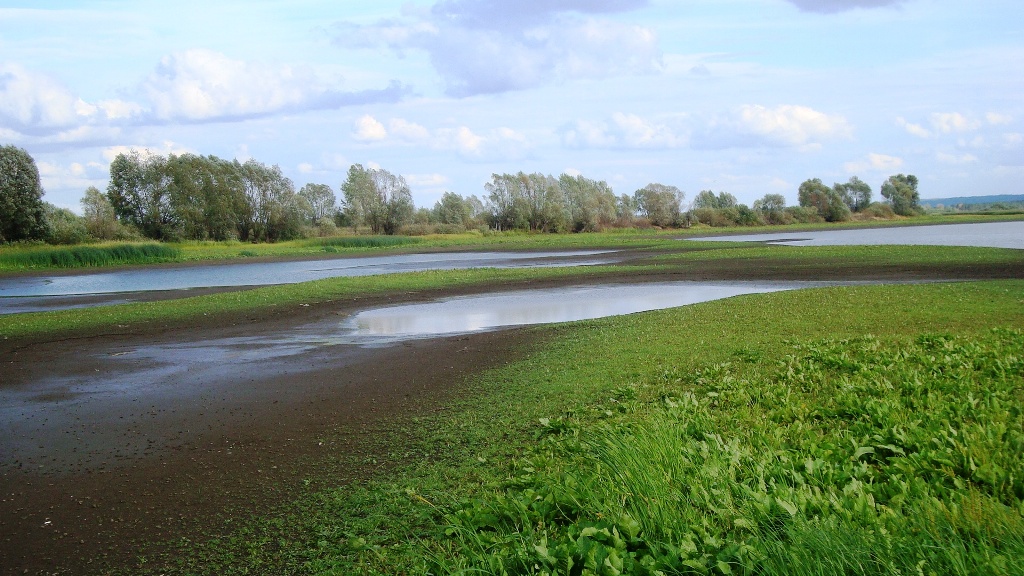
(465, 314)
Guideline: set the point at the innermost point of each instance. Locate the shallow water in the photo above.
(73, 414)
(989, 234)
(466, 314)
(41, 292)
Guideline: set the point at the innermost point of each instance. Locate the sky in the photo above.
(749, 97)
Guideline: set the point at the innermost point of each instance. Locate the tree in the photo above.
(772, 208)
(377, 198)
(625, 209)
(659, 203)
(855, 193)
(98, 214)
(272, 207)
(64, 226)
(590, 203)
(321, 199)
(826, 201)
(901, 191)
(138, 191)
(707, 199)
(452, 209)
(22, 215)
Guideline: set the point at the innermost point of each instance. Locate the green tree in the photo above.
(590, 203)
(625, 209)
(452, 209)
(772, 208)
(855, 193)
(901, 191)
(138, 191)
(204, 193)
(826, 201)
(322, 202)
(22, 215)
(708, 199)
(377, 198)
(100, 220)
(660, 203)
(64, 226)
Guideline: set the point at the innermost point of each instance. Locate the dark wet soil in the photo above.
(318, 415)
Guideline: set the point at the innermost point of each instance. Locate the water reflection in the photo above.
(37, 293)
(988, 234)
(542, 306)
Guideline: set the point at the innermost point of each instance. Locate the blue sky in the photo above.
(744, 96)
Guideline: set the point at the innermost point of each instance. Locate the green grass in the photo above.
(353, 245)
(363, 241)
(65, 323)
(857, 430)
(698, 252)
(87, 256)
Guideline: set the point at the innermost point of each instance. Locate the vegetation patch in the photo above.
(760, 434)
(364, 241)
(89, 256)
(846, 456)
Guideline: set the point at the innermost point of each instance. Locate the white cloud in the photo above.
(947, 158)
(408, 131)
(487, 46)
(874, 163)
(305, 168)
(37, 105)
(833, 6)
(500, 143)
(787, 125)
(949, 122)
(626, 131)
(74, 176)
(914, 129)
(426, 180)
(369, 129)
(165, 148)
(202, 85)
(997, 119)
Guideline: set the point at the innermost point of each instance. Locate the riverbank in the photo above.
(238, 475)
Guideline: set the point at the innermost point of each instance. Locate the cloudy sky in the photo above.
(744, 96)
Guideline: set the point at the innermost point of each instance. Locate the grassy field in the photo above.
(857, 430)
(17, 258)
(665, 257)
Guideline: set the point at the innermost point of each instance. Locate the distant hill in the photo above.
(973, 200)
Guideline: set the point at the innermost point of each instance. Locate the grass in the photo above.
(87, 256)
(11, 255)
(65, 323)
(857, 430)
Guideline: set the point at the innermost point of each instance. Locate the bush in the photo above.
(878, 211)
(803, 215)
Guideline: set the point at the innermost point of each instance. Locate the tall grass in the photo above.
(848, 457)
(85, 256)
(363, 241)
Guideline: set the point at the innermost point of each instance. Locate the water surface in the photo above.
(988, 234)
(464, 314)
(33, 293)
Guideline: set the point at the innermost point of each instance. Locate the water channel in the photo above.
(988, 234)
(35, 293)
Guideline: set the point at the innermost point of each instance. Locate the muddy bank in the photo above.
(126, 474)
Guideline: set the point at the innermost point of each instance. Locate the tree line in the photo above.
(195, 197)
